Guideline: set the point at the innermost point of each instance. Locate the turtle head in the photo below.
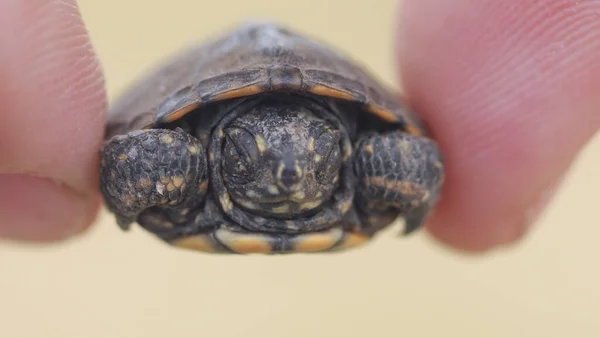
(281, 160)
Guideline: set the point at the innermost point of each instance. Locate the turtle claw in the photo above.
(152, 168)
(125, 222)
(398, 174)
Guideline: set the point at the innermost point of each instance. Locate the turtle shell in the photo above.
(253, 59)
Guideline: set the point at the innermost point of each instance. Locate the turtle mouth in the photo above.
(293, 201)
(282, 206)
(283, 210)
(306, 205)
(289, 199)
(304, 196)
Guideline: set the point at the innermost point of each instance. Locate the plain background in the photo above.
(110, 284)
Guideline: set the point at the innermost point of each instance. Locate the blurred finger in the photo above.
(510, 89)
(53, 104)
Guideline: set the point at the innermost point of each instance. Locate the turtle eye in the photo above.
(240, 156)
(328, 159)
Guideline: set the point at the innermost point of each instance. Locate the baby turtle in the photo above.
(266, 141)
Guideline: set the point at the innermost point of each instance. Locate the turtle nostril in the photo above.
(289, 173)
(290, 176)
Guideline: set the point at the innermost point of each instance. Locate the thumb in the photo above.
(53, 103)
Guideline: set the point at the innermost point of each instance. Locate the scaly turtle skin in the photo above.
(265, 141)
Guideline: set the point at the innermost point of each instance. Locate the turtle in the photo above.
(264, 140)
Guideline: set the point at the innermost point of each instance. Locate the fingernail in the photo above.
(40, 210)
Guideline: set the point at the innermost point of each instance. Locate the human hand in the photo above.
(510, 90)
(53, 105)
(493, 83)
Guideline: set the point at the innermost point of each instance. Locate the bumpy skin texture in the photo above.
(300, 150)
(398, 174)
(153, 168)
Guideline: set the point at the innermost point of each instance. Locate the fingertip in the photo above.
(53, 107)
(52, 92)
(34, 209)
(509, 90)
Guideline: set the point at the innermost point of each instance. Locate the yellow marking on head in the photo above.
(260, 143)
(310, 205)
(345, 206)
(335, 179)
(311, 145)
(297, 168)
(282, 209)
(185, 211)
(347, 153)
(291, 224)
(316, 242)
(211, 156)
(273, 190)
(196, 242)
(252, 194)
(166, 139)
(225, 202)
(352, 240)
(123, 157)
(248, 204)
(220, 133)
(244, 243)
(178, 181)
(317, 158)
(369, 148)
(280, 168)
(299, 195)
(193, 149)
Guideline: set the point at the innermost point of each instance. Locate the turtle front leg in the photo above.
(399, 174)
(152, 168)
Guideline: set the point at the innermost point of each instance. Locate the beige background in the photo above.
(107, 284)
